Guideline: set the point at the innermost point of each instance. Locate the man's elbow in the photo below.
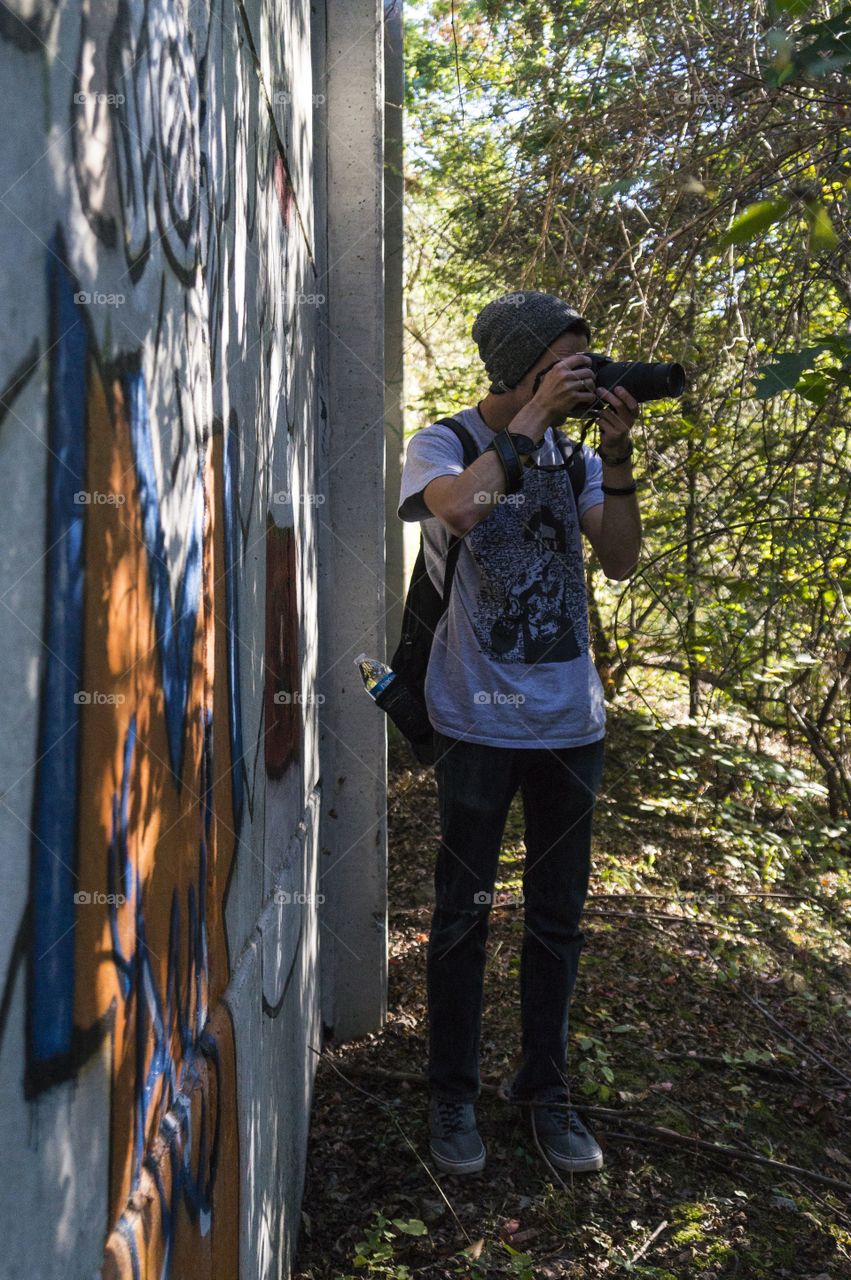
(458, 520)
(619, 569)
(458, 525)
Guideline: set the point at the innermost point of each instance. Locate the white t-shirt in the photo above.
(510, 664)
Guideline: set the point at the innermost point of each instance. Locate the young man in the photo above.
(515, 700)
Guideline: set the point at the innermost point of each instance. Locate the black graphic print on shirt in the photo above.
(532, 605)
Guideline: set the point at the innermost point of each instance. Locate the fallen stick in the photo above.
(660, 1134)
(647, 1243)
(761, 1068)
(655, 1132)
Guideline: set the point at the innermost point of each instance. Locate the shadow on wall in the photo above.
(142, 783)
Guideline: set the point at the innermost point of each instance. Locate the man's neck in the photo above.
(497, 411)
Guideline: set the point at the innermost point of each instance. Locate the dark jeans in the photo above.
(476, 785)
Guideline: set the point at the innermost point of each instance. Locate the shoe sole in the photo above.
(459, 1166)
(590, 1164)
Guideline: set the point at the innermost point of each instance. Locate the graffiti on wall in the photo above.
(135, 821)
(142, 784)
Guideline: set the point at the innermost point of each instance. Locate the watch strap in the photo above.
(503, 446)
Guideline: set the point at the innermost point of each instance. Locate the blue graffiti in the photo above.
(50, 1017)
(175, 627)
(162, 1018)
(231, 471)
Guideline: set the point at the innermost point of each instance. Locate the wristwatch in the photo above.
(525, 446)
(512, 464)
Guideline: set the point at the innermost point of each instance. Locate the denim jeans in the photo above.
(476, 785)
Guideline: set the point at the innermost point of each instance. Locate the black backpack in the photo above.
(404, 698)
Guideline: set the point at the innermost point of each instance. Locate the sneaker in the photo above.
(455, 1143)
(562, 1136)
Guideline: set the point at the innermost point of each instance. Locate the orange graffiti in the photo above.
(152, 963)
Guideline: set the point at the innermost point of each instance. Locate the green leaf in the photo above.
(822, 232)
(412, 1228)
(814, 387)
(756, 218)
(785, 372)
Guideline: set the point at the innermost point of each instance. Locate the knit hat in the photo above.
(514, 330)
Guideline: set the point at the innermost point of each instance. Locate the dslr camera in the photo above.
(644, 381)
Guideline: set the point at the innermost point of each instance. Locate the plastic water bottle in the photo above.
(404, 705)
(376, 675)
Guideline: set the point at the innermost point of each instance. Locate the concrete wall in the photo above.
(395, 580)
(169, 395)
(353, 833)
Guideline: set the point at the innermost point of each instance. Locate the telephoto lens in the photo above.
(642, 380)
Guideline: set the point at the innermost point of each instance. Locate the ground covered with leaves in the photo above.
(709, 1038)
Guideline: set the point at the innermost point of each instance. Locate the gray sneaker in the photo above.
(455, 1143)
(562, 1135)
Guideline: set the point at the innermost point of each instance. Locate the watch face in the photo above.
(523, 444)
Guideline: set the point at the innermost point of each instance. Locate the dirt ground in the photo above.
(711, 1008)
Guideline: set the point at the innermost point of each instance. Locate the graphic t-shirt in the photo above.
(510, 664)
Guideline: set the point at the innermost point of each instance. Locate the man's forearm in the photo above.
(619, 541)
(470, 497)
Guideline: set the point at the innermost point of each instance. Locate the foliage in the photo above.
(683, 178)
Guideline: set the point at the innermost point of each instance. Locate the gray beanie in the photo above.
(513, 331)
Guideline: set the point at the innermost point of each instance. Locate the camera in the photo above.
(642, 380)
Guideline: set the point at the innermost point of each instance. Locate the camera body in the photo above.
(644, 381)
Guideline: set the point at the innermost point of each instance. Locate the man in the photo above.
(515, 700)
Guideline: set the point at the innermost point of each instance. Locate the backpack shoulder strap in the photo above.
(468, 444)
(471, 452)
(574, 458)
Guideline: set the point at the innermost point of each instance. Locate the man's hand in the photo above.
(569, 384)
(616, 422)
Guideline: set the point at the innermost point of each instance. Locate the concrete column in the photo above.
(394, 392)
(353, 835)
